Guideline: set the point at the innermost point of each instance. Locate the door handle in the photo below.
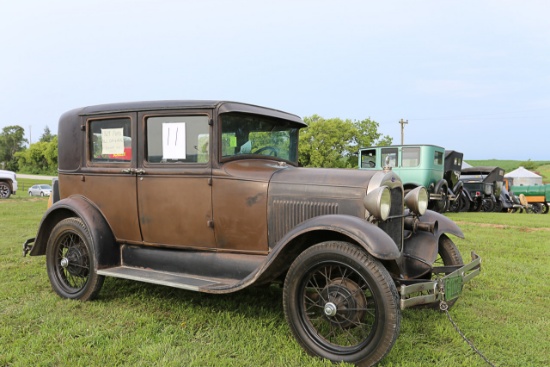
(139, 171)
(129, 171)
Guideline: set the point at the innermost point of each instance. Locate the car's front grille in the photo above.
(287, 214)
(394, 226)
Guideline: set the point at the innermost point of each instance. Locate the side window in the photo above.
(389, 157)
(110, 140)
(368, 158)
(411, 157)
(438, 158)
(177, 139)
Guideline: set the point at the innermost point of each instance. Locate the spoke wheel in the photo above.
(341, 304)
(70, 261)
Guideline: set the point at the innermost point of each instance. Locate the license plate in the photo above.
(453, 287)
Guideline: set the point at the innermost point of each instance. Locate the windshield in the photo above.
(246, 134)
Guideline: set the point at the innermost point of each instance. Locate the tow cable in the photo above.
(445, 308)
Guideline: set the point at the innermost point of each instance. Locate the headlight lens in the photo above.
(378, 203)
(417, 200)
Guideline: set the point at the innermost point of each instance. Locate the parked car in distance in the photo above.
(419, 165)
(40, 190)
(8, 184)
(209, 196)
(483, 185)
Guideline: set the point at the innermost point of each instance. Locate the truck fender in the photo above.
(421, 248)
(458, 188)
(104, 243)
(374, 240)
(441, 183)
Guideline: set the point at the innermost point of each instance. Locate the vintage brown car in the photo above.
(208, 196)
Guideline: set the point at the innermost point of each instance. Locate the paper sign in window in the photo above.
(112, 141)
(173, 140)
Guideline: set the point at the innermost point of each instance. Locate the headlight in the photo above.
(378, 203)
(417, 200)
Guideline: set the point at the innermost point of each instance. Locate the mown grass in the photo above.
(503, 311)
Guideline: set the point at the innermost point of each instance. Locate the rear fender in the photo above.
(104, 243)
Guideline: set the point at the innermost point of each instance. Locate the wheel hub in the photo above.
(75, 262)
(346, 302)
(330, 309)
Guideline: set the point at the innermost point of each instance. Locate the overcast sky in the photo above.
(469, 75)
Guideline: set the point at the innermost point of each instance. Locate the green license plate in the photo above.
(453, 287)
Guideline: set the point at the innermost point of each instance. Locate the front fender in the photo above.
(374, 240)
(421, 248)
(440, 184)
(104, 243)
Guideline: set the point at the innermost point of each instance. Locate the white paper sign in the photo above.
(173, 140)
(112, 141)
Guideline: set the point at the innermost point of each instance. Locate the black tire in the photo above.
(447, 254)
(341, 304)
(464, 203)
(71, 262)
(442, 205)
(5, 190)
(488, 205)
(545, 208)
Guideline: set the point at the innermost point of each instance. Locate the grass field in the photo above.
(504, 311)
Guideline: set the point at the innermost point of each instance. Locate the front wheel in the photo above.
(341, 304)
(71, 262)
(447, 255)
(5, 190)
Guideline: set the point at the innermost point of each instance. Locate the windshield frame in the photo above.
(252, 136)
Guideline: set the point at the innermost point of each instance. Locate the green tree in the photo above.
(39, 158)
(12, 139)
(47, 136)
(333, 143)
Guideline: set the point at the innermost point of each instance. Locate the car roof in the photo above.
(222, 106)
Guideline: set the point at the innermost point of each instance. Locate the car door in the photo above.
(174, 179)
(104, 179)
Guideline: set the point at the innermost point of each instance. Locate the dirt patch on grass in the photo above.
(503, 226)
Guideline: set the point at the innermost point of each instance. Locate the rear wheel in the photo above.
(341, 304)
(71, 262)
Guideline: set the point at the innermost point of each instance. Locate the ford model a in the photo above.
(483, 186)
(420, 165)
(208, 196)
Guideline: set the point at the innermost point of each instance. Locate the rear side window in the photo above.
(411, 157)
(110, 140)
(178, 139)
(438, 158)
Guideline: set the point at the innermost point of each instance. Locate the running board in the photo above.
(174, 280)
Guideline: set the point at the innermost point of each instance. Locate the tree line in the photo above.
(329, 143)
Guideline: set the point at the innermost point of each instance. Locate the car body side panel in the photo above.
(239, 197)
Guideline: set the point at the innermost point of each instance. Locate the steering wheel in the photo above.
(272, 150)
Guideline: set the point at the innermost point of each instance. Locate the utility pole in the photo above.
(403, 123)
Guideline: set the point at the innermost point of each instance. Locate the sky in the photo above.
(468, 75)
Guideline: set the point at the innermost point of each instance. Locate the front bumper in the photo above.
(446, 288)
